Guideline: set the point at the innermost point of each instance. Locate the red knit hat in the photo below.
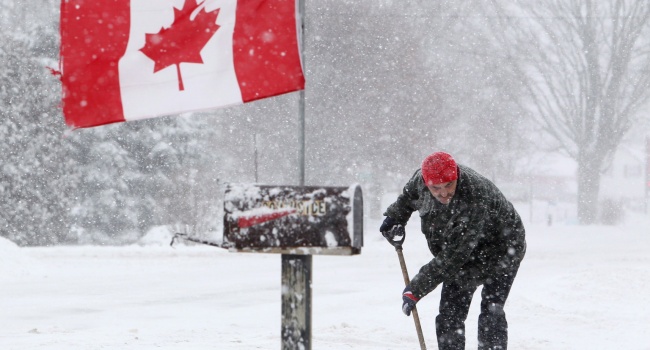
(438, 168)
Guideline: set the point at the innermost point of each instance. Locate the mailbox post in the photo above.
(296, 301)
(297, 222)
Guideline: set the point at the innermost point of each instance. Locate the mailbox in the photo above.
(300, 220)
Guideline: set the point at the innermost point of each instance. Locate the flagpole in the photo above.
(297, 269)
(301, 102)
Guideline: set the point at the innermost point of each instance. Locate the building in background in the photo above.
(624, 182)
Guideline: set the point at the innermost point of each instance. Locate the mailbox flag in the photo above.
(127, 60)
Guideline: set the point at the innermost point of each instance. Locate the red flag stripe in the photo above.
(95, 34)
(265, 48)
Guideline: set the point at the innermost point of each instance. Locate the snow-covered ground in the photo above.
(578, 288)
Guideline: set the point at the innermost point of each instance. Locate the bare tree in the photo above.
(585, 67)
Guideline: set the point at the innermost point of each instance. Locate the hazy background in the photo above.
(545, 98)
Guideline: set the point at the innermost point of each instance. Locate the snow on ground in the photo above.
(578, 288)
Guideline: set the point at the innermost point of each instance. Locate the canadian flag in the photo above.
(127, 60)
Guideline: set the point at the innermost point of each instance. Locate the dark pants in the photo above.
(492, 324)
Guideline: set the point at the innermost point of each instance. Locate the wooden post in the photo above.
(296, 301)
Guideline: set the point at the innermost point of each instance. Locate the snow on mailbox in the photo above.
(293, 219)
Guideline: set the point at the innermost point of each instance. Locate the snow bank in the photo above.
(157, 236)
(13, 262)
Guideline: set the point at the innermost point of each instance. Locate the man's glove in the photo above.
(393, 232)
(408, 301)
(387, 225)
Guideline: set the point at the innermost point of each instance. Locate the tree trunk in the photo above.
(588, 187)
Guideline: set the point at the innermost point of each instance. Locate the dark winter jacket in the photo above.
(476, 236)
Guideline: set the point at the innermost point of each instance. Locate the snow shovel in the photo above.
(398, 234)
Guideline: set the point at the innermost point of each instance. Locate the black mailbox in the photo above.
(293, 219)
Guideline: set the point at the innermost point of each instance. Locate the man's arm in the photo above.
(406, 202)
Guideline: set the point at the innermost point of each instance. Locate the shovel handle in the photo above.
(407, 280)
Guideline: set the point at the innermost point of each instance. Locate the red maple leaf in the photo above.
(183, 41)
